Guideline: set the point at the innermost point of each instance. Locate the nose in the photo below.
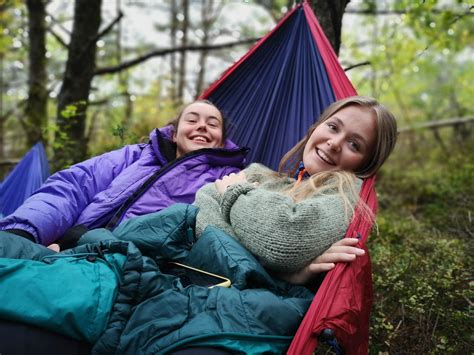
(334, 144)
(202, 126)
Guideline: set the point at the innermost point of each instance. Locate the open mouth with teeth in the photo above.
(324, 157)
(200, 139)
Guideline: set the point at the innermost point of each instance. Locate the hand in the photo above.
(229, 180)
(54, 247)
(342, 251)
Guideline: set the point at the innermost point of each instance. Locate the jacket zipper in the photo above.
(155, 176)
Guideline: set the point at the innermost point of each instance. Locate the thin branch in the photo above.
(19, 106)
(166, 51)
(109, 27)
(8, 162)
(106, 100)
(357, 65)
(56, 22)
(58, 38)
(437, 124)
(102, 33)
(7, 114)
(402, 12)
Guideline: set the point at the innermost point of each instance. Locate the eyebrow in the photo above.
(355, 135)
(197, 114)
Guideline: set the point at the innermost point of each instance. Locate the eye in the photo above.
(213, 123)
(332, 126)
(354, 145)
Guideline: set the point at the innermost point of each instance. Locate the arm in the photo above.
(343, 251)
(286, 236)
(54, 208)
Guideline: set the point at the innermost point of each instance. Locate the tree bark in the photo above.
(173, 31)
(329, 14)
(206, 23)
(123, 77)
(36, 104)
(184, 43)
(2, 117)
(70, 141)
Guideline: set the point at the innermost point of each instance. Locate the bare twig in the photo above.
(59, 24)
(166, 51)
(357, 65)
(109, 27)
(6, 162)
(58, 37)
(437, 124)
(401, 12)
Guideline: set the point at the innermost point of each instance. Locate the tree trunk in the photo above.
(184, 43)
(2, 118)
(173, 31)
(36, 104)
(70, 141)
(329, 14)
(207, 21)
(123, 77)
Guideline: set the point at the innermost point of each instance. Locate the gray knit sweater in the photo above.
(284, 235)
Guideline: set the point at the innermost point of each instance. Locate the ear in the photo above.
(173, 137)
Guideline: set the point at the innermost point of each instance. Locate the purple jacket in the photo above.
(131, 181)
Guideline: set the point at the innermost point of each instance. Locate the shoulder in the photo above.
(257, 168)
(259, 173)
(266, 177)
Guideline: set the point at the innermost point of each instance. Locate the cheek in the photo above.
(305, 154)
(181, 131)
(218, 137)
(353, 162)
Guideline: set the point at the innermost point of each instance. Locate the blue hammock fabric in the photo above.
(275, 94)
(271, 96)
(27, 176)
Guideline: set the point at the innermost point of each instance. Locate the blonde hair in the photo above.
(385, 137)
(341, 183)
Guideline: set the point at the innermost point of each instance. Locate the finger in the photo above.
(347, 242)
(345, 249)
(54, 247)
(318, 268)
(335, 258)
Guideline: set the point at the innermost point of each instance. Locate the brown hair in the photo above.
(386, 136)
(175, 121)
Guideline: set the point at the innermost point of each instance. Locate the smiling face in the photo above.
(343, 142)
(200, 126)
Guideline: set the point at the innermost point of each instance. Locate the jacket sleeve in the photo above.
(57, 204)
(284, 235)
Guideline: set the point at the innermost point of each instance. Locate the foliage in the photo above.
(423, 253)
(419, 59)
(112, 133)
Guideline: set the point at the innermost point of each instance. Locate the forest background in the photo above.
(126, 66)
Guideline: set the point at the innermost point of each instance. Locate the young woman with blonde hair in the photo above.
(289, 219)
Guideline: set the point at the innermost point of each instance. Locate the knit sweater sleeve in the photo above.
(284, 235)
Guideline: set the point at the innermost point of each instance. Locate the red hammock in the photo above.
(263, 94)
(344, 300)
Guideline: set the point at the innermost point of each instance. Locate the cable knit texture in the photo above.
(284, 235)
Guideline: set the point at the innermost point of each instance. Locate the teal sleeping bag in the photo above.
(152, 312)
